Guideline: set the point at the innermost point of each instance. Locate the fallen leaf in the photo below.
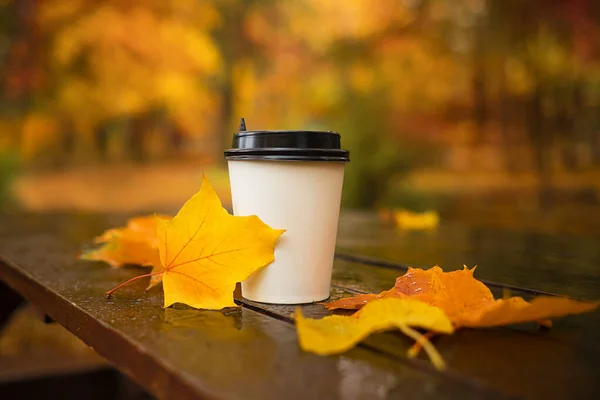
(108, 235)
(146, 225)
(142, 226)
(336, 333)
(134, 244)
(125, 246)
(516, 309)
(467, 301)
(416, 221)
(456, 290)
(204, 251)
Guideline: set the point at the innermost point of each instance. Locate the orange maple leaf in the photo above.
(135, 244)
(467, 301)
(204, 251)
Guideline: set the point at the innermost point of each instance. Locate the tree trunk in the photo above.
(538, 141)
(235, 47)
(230, 37)
(137, 137)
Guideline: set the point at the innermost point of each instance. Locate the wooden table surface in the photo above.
(252, 352)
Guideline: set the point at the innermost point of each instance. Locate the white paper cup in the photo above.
(302, 197)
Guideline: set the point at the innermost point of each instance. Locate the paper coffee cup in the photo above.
(291, 180)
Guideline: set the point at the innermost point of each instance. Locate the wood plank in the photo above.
(565, 264)
(42, 366)
(31, 349)
(185, 353)
(9, 302)
(520, 360)
(517, 361)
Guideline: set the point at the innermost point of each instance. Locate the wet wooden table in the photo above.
(252, 352)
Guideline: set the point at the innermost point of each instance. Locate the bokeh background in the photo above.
(487, 111)
(484, 112)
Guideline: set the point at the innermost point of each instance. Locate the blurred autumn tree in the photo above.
(115, 59)
(535, 83)
(109, 65)
(8, 168)
(375, 73)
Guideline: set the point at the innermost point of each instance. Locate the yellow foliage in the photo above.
(409, 68)
(51, 13)
(338, 19)
(136, 58)
(38, 131)
(519, 79)
(362, 77)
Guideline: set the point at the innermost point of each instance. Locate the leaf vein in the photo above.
(208, 256)
(190, 239)
(196, 281)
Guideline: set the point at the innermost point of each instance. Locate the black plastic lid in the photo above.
(286, 146)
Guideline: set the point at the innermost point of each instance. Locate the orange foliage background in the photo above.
(430, 96)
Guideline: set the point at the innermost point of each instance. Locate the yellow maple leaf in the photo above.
(336, 333)
(416, 221)
(204, 251)
(467, 301)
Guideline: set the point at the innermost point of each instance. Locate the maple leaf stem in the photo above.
(434, 355)
(135, 278)
(416, 348)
